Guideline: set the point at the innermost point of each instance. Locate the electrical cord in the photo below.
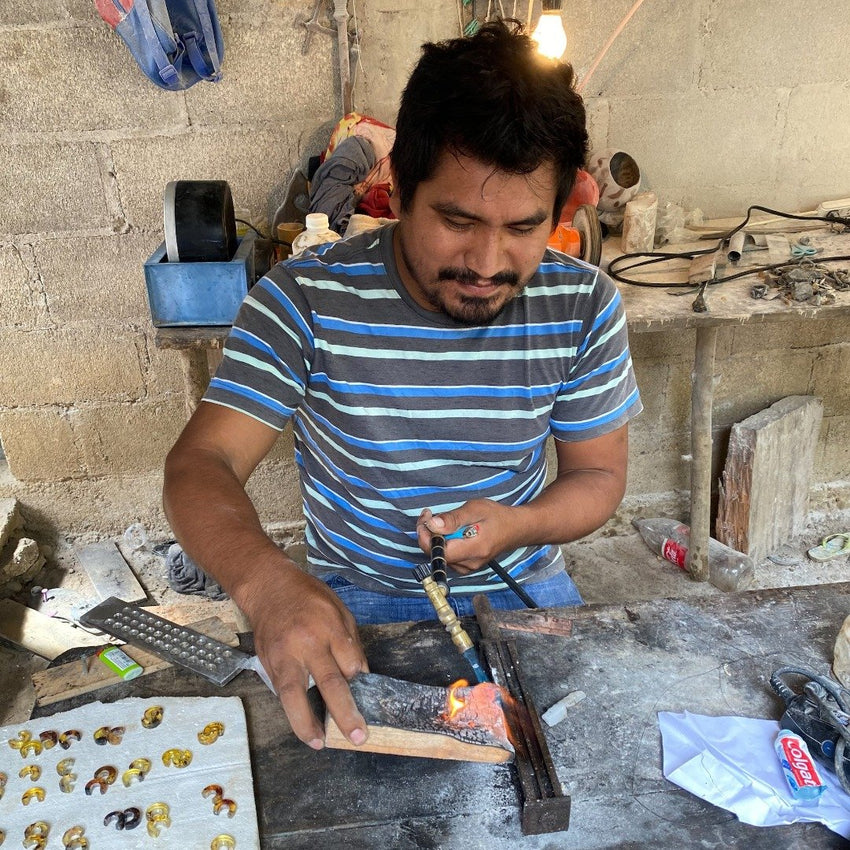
(616, 271)
(831, 701)
(260, 233)
(512, 583)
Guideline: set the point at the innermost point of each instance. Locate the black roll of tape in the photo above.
(200, 224)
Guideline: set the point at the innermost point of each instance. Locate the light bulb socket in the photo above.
(551, 6)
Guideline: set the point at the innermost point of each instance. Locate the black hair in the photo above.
(494, 98)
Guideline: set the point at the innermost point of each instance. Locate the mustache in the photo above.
(468, 276)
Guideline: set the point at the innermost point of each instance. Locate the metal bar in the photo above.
(544, 806)
(702, 398)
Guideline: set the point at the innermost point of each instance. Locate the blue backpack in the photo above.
(177, 43)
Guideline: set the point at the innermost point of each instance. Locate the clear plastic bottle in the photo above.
(318, 232)
(669, 538)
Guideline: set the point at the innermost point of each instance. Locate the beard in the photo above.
(466, 309)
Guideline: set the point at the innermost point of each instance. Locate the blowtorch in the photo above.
(435, 584)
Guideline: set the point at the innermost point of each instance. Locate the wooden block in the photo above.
(765, 488)
(38, 633)
(109, 572)
(702, 268)
(88, 674)
(404, 718)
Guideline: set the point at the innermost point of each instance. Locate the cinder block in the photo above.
(40, 445)
(283, 450)
(93, 506)
(812, 152)
(712, 138)
(61, 188)
(162, 372)
(662, 345)
(69, 365)
(791, 47)
(128, 438)
(248, 59)
(275, 492)
(95, 278)
(652, 379)
(656, 463)
(750, 383)
(21, 298)
(782, 336)
(832, 458)
(830, 378)
(631, 67)
(10, 519)
(77, 95)
(251, 161)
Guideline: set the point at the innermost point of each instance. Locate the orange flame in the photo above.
(455, 703)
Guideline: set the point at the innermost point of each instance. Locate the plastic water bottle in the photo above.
(318, 232)
(798, 766)
(727, 569)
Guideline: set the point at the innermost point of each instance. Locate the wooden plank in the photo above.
(765, 488)
(405, 718)
(110, 573)
(38, 633)
(87, 674)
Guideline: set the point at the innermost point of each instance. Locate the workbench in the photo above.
(710, 655)
(648, 310)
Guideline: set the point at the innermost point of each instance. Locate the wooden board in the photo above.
(408, 719)
(38, 633)
(109, 572)
(87, 674)
(764, 493)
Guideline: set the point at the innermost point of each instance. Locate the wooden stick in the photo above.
(405, 718)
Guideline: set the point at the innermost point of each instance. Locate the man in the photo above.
(423, 366)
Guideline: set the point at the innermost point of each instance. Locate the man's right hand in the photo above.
(302, 629)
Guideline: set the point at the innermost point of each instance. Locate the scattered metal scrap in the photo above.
(803, 281)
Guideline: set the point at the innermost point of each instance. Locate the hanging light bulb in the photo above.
(549, 32)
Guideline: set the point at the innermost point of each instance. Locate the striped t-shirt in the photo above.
(396, 408)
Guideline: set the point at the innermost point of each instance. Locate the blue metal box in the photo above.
(204, 293)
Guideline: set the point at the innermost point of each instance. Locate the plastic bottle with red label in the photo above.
(727, 569)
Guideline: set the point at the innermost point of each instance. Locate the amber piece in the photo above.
(107, 773)
(177, 757)
(65, 766)
(35, 793)
(66, 738)
(221, 803)
(48, 739)
(152, 716)
(132, 817)
(211, 732)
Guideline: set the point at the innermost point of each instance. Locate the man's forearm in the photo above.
(216, 523)
(574, 505)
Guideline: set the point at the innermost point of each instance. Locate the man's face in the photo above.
(472, 237)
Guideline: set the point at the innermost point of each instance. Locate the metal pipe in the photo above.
(341, 17)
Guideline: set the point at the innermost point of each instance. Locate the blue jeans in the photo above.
(370, 607)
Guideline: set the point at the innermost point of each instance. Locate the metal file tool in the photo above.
(212, 659)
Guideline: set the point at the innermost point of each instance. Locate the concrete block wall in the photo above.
(722, 104)
(88, 405)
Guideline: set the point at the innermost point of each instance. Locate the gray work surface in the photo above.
(706, 655)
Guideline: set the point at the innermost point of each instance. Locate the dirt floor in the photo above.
(613, 567)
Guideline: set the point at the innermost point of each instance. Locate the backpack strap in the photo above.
(193, 48)
(167, 71)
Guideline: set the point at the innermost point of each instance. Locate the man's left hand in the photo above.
(470, 553)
